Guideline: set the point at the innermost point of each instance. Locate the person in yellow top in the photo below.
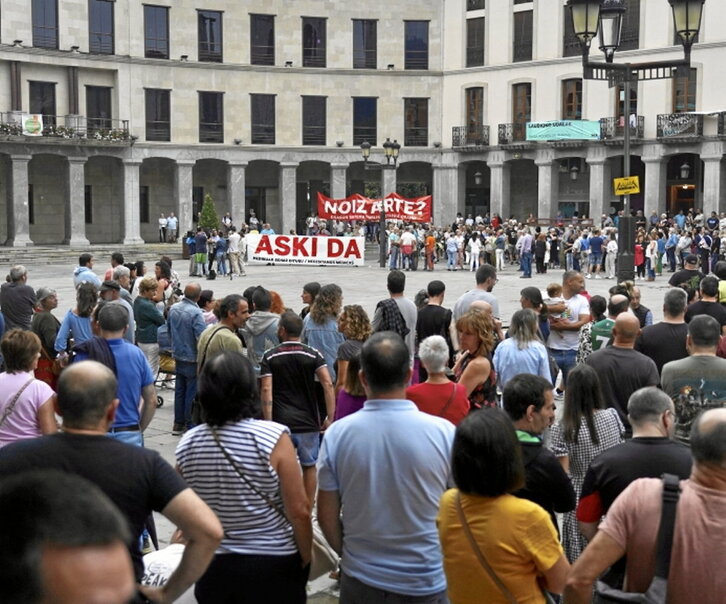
(514, 536)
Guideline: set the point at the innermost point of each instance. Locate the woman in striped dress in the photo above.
(247, 471)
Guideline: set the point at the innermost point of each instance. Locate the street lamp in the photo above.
(685, 170)
(606, 16)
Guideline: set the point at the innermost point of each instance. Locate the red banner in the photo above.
(357, 207)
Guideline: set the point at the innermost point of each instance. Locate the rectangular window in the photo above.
(620, 102)
(98, 108)
(156, 32)
(313, 120)
(263, 119)
(684, 92)
(209, 27)
(100, 27)
(416, 45)
(630, 36)
(88, 204)
(42, 100)
(144, 204)
(45, 23)
(365, 40)
(211, 117)
(475, 4)
(416, 126)
(521, 109)
(572, 99)
(474, 110)
(158, 120)
(262, 39)
(313, 35)
(522, 36)
(365, 120)
(475, 42)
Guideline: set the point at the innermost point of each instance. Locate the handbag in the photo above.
(11, 406)
(324, 559)
(483, 561)
(657, 591)
(445, 408)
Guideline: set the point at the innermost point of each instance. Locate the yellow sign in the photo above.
(626, 186)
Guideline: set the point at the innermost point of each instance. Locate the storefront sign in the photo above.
(296, 249)
(626, 186)
(564, 130)
(32, 124)
(357, 207)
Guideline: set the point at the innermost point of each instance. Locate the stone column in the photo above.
(388, 181)
(655, 178)
(547, 186)
(600, 187)
(338, 182)
(446, 194)
(16, 188)
(183, 195)
(132, 221)
(236, 191)
(713, 184)
(499, 188)
(288, 194)
(76, 202)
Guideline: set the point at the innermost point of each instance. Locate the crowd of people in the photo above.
(425, 436)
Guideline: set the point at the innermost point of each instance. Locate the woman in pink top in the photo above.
(438, 395)
(26, 404)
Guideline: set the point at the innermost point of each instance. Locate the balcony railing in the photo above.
(512, 133)
(613, 128)
(313, 135)
(211, 132)
(678, 125)
(68, 127)
(470, 136)
(416, 137)
(263, 134)
(262, 55)
(158, 131)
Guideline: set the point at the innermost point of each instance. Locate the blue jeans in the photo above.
(130, 438)
(184, 392)
(451, 260)
(394, 257)
(565, 360)
(527, 264)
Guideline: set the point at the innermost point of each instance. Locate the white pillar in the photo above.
(17, 202)
(713, 184)
(183, 180)
(132, 221)
(500, 188)
(236, 191)
(288, 194)
(600, 187)
(338, 182)
(76, 202)
(547, 185)
(655, 178)
(445, 194)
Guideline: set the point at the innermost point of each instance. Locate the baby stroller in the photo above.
(165, 377)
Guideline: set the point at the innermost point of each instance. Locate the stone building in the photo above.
(148, 107)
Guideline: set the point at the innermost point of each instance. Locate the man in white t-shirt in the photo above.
(408, 248)
(565, 330)
(233, 249)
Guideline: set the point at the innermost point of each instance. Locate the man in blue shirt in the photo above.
(596, 242)
(386, 466)
(186, 324)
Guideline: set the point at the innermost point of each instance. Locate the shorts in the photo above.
(595, 258)
(308, 447)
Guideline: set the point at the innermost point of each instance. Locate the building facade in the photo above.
(146, 108)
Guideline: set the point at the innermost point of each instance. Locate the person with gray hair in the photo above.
(631, 528)
(122, 275)
(666, 341)
(438, 395)
(17, 299)
(697, 382)
(522, 351)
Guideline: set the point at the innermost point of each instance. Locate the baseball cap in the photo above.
(43, 293)
(109, 285)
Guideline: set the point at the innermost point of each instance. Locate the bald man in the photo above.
(621, 368)
(631, 528)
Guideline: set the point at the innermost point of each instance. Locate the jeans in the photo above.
(650, 268)
(526, 264)
(353, 591)
(671, 255)
(451, 260)
(135, 437)
(565, 360)
(184, 392)
(394, 257)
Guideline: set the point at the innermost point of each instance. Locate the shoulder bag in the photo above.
(657, 592)
(11, 406)
(445, 408)
(483, 561)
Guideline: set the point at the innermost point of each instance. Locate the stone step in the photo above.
(65, 254)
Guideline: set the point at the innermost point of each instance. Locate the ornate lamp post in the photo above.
(606, 16)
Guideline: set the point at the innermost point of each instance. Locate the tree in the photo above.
(208, 218)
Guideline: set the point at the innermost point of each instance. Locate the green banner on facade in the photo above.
(563, 130)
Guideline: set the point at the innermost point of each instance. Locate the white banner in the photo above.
(298, 249)
(32, 124)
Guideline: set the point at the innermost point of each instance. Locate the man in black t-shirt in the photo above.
(435, 320)
(666, 341)
(288, 374)
(137, 480)
(708, 304)
(689, 274)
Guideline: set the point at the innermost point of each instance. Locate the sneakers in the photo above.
(178, 429)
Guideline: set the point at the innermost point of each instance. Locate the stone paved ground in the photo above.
(361, 285)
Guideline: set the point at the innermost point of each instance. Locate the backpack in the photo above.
(391, 318)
